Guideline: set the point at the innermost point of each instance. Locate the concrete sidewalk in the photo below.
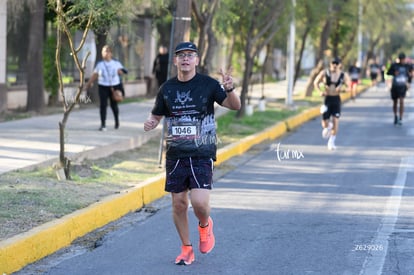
(35, 141)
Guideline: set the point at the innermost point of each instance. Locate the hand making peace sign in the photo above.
(227, 79)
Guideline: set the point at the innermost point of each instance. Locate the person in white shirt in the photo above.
(107, 72)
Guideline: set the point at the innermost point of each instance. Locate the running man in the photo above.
(333, 79)
(401, 73)
(374, 70)
(187, 103)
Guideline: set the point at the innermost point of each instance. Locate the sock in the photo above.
(203, 226)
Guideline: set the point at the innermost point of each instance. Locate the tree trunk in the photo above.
(207, 40)
(314, 73)
(35, 87)
(64, 162)
(3, 98)
(231, 46)
(212, 46)
(182, 23)
(3, 42)
(300, 55)
(246, 80)
(323, 45)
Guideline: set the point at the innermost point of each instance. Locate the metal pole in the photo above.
(291, 58)
(182, 14)
(359, 59)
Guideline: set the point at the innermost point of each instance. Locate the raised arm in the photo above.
(232, 101)
(317, 81)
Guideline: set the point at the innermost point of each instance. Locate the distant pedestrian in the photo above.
(354, 72)
(401, 72)
(108, 72)
(187, 103)
(383, 68)
(160, 66)
(333, 79)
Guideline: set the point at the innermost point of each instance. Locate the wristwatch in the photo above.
(230, 90)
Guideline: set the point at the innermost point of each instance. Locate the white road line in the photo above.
(410, 119)
(374, 262)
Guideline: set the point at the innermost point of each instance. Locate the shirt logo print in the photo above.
(183, 97)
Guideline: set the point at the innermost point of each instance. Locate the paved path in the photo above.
(315, 212)
(39, 146)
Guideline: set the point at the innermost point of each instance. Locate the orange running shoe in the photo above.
(186, 257)
(207, 240)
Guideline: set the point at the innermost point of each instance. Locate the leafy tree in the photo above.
(18, 21)
(27, 18)
(256, 24)
(308, 15)
(204, 12)
(161, 13)
(63, 22)
(337, 35)
(335, 31)
(380, 20)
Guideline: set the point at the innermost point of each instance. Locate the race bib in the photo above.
(187, 130)
(401, 79)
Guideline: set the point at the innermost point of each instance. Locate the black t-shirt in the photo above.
(354, 72)
(401, 74)
(374, 68)
(188, 108)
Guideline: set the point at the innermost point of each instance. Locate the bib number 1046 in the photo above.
(184, 130)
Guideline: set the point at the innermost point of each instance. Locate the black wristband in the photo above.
(230, 90)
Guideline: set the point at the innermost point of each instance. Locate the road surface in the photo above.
(288, 207)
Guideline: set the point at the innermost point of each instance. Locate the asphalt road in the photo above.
(288, 207)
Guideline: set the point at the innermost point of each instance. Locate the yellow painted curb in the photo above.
(28, 247)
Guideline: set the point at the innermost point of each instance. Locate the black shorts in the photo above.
(398, 92)
(333, 104)
(374, 76)
(188, 173)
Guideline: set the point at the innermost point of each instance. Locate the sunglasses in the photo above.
(335, 63)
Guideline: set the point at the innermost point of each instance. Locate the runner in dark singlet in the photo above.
(333, 80)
